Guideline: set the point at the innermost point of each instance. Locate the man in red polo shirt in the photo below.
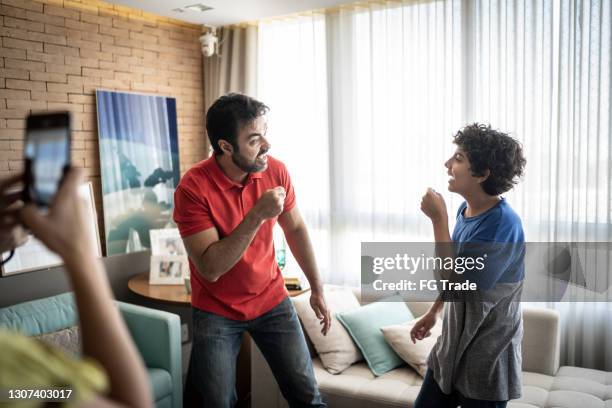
(225, 208)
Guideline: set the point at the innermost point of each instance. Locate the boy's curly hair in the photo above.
(491, 149)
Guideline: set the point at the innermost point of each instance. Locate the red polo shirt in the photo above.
(206, 198)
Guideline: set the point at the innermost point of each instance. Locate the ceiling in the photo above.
(226, 12)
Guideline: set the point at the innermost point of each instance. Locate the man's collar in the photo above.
(222, 180)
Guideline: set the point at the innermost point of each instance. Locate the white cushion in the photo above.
(581, 387)
(357, 387)
(572, 387)
(336, 350)
(415, 354)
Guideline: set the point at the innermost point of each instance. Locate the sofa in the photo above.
(545, 385)
(157, 336)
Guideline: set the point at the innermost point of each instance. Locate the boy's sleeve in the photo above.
(191, 213)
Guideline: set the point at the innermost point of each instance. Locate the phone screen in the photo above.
(47, 154)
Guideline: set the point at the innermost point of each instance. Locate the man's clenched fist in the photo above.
(271, 203)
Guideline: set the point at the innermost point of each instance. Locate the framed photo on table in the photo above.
(166, 241)
(34, 255)
(168, 269)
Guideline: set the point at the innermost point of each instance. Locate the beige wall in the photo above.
(54, 54)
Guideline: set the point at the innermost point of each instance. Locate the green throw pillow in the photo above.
(364, 323)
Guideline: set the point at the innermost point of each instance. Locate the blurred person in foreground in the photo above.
(111, 372)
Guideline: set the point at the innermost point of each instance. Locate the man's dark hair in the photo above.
(228, 115)
(491, 149)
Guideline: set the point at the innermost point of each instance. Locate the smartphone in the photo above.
(47, 156)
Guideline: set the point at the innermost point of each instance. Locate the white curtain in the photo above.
(365, 101)
(292, 81)
(362, 110)
(542, 70)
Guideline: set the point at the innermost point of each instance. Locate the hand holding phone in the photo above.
(47, 156)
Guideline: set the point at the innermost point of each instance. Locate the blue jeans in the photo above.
(431, 396)
(280, 339)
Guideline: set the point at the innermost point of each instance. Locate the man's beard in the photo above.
(248, 166)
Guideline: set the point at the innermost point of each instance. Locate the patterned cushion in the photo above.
(68, 340)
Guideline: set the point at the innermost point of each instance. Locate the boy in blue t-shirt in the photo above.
(476, 361)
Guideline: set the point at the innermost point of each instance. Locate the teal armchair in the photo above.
(157, 336)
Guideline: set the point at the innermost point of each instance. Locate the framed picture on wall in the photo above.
(34, 255)
(139, 163)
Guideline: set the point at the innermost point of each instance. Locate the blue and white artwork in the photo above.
(139, 163)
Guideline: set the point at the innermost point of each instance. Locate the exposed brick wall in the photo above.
(54, 54)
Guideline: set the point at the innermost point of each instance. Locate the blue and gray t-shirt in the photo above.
(479, 351)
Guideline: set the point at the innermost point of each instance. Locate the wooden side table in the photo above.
(175, 294)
